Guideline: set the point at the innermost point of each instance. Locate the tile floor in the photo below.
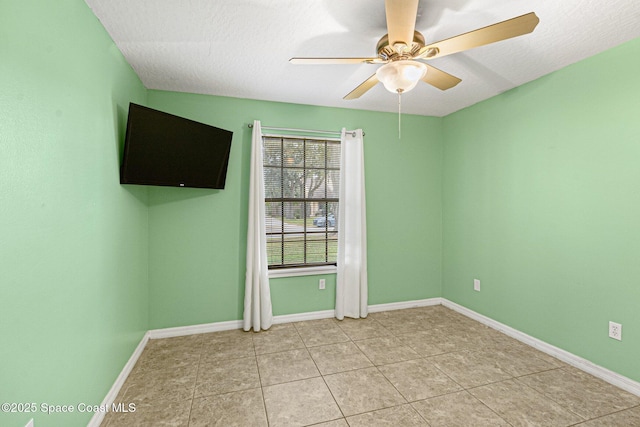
(416, 367)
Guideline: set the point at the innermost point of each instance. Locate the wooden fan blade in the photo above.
(329, 61)
(363, 88)
(493, 33)
(438, 78)
(401, 20)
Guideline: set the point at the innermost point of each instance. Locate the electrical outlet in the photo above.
(322, 284)
(476, 285)
(615, 331)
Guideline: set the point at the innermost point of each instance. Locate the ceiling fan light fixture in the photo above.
(401, 76)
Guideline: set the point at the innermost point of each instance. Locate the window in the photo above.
(301, 180)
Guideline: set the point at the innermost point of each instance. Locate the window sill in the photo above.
(305, 271)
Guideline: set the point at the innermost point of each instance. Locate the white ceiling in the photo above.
(241, 48)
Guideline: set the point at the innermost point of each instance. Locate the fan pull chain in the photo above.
(399, 114)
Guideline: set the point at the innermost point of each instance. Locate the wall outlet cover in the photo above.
(476, 285)
(322, 284)
(615, 331)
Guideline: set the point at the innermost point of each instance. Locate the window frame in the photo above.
(286, 270)
(302, 271)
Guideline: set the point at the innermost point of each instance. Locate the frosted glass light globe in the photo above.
(401, 76)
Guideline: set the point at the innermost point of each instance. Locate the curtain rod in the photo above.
(304, 130)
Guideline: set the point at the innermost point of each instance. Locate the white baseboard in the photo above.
(233, 324)
(194, 329)
(301, 317)
(404, 304)
(117, 385)
(605, 374)
(324, 314)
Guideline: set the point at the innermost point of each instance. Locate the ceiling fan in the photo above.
(403, 49)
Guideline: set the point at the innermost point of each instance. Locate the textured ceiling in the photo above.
(241, 48)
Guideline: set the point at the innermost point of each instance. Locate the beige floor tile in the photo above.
(167, 369)
(584, 394)
(419, 314)
(315, 336)
(425, 343)
(300, 403)
(362, 390)
(511, 344)
(277, 338)
(316, 323)
(169, 385)
(151, 391)
(468, 369)
(520, 405)
(232, 347)
(231, 336)
(360, 329)
(172, 413)
(238, 409)
(169, 357)
(403, 415)
(383, 316)
(160, 361)
(454, 337)
(384, 350)
(339, 357)
(404, 321)
(185, 344)
(458, 410)
(516, 361)
(292, 365)
(418, 379)
(626, 418)
(227, 375)
(398, 326)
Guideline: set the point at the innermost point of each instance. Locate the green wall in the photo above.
(197, 237)
(535, 192)
(73, 242)
(541, 193)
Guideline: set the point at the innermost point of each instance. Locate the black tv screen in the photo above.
(167, 150)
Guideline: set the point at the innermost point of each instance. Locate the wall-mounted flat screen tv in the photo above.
(167, 150)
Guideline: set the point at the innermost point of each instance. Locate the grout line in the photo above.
(606, 415)
(546, 396)
(328, 388)
(264, 402)
(488, 407)
(193, 395)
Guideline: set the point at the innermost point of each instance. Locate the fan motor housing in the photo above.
(389, 53)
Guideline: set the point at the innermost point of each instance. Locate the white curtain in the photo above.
(257, 296)
(351, 286)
